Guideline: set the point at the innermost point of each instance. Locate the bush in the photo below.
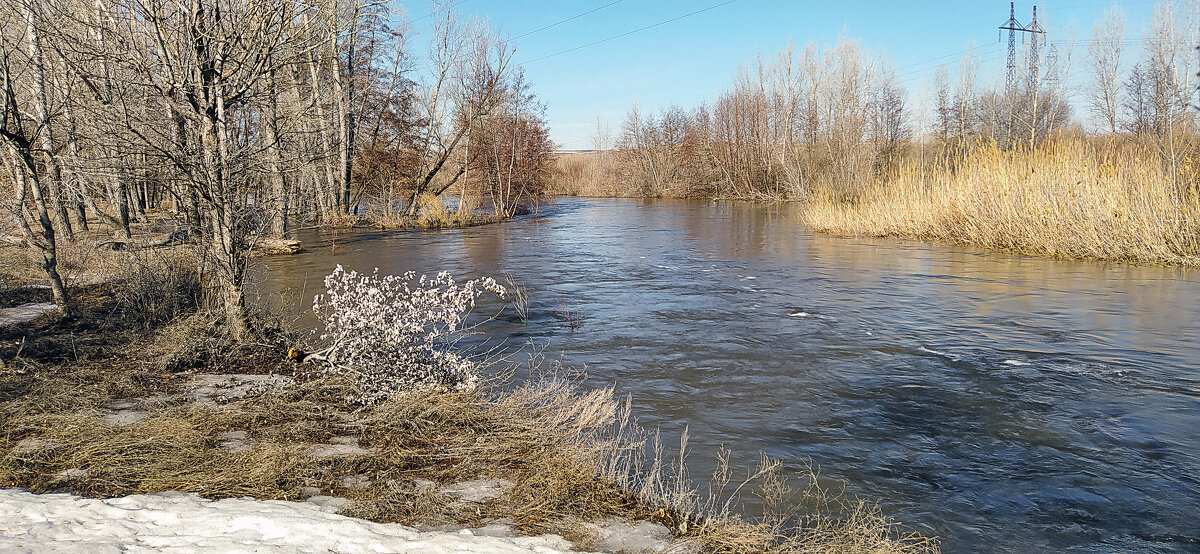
(153, 290)
(394, 334)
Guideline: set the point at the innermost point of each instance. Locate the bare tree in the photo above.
(515, 149)
(944, 117)
(181, 80)
(1105, 48)
(888, 127)
(963, 108)
(40, 97)
(19, 134)
(470, 68)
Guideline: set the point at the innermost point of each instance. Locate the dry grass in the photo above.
(523, 436)
(432, 213)
(570, 455)
(810, 520)
(1070, 198)
(594, 174)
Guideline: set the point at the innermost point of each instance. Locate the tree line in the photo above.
(241, 117)
(838, 120)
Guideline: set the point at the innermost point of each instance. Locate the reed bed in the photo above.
(590, 174)
(1071, 199)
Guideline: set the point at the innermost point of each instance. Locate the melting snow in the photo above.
(25, 313)
(180, 522)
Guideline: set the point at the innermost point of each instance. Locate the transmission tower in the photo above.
(1034, 30)
(1012, 26)
(1052, 67)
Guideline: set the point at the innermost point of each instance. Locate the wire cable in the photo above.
(627, 33)
(572, 18)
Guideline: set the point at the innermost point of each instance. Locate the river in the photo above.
(1001, 402)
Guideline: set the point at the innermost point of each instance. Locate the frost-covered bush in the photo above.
(393, 333)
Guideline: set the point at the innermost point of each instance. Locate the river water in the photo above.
(1003, 403)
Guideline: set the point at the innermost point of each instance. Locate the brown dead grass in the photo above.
(595, 174)
(547, 438)
(1071, 198)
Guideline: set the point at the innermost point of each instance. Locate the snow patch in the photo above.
(617, 535)
(328, 504)
(356, 482)
(123, 418)
(210, 388)
(33, 448)
(233, 442)
(73, 474)
(341, 447)
(24, 313)
(477, 490)
(185, 522)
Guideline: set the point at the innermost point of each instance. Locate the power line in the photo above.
(437, 11)
(904, 68)
(572, 18)
(925, 72)
(986, 55)
(627, 33)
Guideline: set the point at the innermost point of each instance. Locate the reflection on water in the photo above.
(1002, 403)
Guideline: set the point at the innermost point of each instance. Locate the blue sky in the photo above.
(693, 59)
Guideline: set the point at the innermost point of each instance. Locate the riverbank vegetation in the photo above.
(225, 122)
(1006, 165)
(1070, 198)
(140, 391)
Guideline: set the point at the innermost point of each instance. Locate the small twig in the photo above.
(568, 314)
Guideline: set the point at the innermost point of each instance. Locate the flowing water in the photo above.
(1000, 402)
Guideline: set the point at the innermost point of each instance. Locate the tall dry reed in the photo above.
(1069, 198)
(595, 174)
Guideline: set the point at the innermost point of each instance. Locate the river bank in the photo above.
(138, 395)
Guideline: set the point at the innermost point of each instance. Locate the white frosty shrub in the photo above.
(393, 334)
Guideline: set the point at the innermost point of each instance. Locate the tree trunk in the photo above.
(46, 136)
(226, 234)
(118, 198)
(325, 198)
(279, 200)
(26, 178)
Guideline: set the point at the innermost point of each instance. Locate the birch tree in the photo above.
(1105, 49)
(19, 134)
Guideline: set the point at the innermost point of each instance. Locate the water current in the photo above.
(1002, 403)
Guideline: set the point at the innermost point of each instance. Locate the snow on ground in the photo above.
(25, 313)
(177, 522)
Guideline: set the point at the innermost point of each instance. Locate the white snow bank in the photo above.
(177, 522)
